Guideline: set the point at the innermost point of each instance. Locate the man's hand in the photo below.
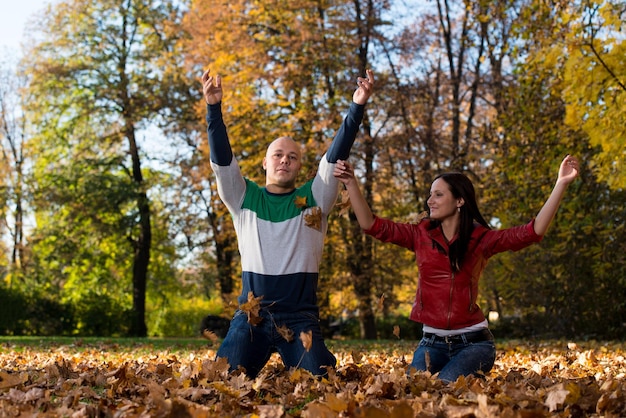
(365, 89)
(212, 88)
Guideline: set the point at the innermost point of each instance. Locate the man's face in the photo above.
(282, 163)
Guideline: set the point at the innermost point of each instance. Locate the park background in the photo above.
(110, 215)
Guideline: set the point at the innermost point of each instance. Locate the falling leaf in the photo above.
(415, 219)
(307, 339)
(345, 204)
(396, 331)
(252, 308)
(210, 335)
(300, 201)
(313, 219)
(381, 302)
(285, 332)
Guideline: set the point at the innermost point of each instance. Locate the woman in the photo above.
(451, 248)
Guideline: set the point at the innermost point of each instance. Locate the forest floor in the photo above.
(108, 377)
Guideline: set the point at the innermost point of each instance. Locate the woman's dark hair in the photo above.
(462, 188)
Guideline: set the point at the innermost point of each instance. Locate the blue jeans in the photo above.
(465, 355)
(251, 346)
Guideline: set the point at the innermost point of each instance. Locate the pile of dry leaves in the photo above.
(529, 380)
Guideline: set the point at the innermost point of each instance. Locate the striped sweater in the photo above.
(280, 248)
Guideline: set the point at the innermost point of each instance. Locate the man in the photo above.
(280, 230)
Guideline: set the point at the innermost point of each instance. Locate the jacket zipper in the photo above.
(450, 301)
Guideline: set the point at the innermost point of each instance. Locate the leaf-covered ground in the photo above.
(99, 378)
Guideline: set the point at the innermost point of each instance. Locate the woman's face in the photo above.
(441, 202)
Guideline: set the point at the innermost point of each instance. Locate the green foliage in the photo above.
(555, 287)
(181, 316)
(98, 314)
(33, 313)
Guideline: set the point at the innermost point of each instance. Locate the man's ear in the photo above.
(264, 163)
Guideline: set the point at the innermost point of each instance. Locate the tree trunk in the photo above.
(142, 244)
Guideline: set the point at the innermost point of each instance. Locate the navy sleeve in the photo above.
(344, 139)
(221, 152)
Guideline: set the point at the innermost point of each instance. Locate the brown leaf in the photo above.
(313, 219)
(10, 380)
(285, 332)
(307, 339)
(210, 335)
(381, 302)
(345, 204)
(415, 219)
(396, 331)
(252, 308)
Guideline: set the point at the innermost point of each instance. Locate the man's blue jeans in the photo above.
(458, 356)
(250, 346)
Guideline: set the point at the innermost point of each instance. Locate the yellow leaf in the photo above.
(300, 201)
(336, 404)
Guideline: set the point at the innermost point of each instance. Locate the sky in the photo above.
(13, 18)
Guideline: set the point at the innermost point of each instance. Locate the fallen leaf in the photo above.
(556, 398)
(9, 380)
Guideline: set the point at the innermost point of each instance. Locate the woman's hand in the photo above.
(569, 170)
(343, 172)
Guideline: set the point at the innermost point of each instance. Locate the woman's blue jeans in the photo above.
(457, 357)
(250, 346)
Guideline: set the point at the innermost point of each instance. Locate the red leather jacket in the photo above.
(447, 299)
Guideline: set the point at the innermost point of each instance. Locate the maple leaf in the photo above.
(345, 204)
(313, 219)
(300, 201)
(285, 332)
(307, 339)
(252, 308)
